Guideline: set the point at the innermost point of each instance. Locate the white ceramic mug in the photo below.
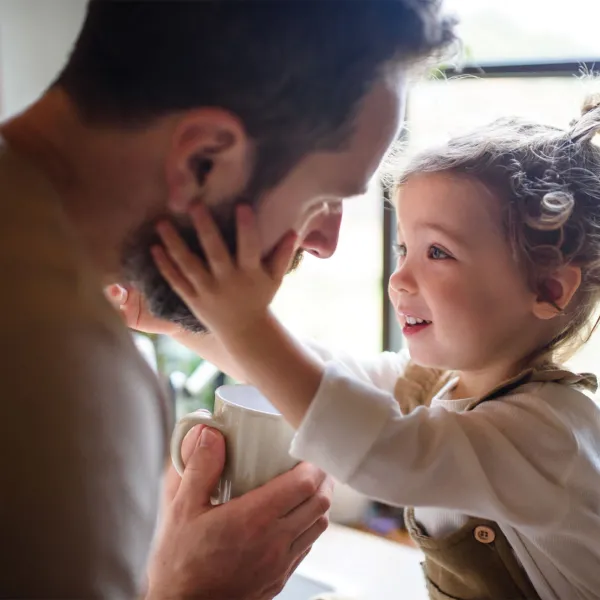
(256, 435)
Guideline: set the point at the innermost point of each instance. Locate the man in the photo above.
(288, 105)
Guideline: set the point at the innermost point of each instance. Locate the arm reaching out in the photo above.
(231, 296)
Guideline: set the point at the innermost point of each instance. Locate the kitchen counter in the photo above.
(361, 566)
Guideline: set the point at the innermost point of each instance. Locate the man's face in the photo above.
(308, 201)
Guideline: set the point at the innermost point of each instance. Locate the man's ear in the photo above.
(210, 159)
(556, 292)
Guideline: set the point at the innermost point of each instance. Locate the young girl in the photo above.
(481, 430)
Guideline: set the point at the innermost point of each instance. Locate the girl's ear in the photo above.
(556, 292)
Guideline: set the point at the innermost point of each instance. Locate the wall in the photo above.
(35, 39)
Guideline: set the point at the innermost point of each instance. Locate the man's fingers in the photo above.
(288, 491)
(128, 301)
(117, 294)
(303, 543)
(202, 472)
(304, 516)
(296, 563)
(172, 478)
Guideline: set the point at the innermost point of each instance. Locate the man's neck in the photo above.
(94, 172)
(33, 134)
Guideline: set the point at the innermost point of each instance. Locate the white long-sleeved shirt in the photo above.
(529, 461)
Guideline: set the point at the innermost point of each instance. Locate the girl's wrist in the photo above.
(247, 336)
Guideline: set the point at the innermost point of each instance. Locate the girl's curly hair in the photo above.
(549, 180)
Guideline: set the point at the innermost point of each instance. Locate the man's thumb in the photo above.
(202, 471)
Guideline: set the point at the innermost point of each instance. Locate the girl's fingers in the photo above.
(168, 269)
(248, 239)
(218, 258)
(183, 258)
(282, 256)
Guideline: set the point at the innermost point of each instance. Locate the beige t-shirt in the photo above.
(83, 420)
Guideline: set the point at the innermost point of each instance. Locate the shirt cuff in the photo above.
(343, 422)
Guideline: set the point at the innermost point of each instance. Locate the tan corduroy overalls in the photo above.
(476, 562)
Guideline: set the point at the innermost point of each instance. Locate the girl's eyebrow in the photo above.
(454, 236)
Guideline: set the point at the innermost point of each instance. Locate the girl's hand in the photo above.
(229, 295)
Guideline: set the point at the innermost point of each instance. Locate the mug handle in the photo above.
(200, 417)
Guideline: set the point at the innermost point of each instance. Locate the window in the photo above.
(519, 31)
(338, 301)
(439, 109)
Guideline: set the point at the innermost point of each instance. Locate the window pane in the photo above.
(339, 300)
(530, 30)
(439, 109)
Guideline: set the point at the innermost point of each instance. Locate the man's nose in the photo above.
(322, 234)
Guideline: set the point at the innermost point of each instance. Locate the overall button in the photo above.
(485, 535)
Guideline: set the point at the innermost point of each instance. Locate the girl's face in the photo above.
(459, 296)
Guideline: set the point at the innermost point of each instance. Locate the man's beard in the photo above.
(140, 269)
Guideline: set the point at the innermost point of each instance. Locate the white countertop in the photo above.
(361, 566)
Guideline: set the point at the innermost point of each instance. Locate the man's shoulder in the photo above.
(52, 308)
(43, 269)
(50, 289)
(32, 214)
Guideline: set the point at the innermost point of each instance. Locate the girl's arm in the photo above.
(231, 296)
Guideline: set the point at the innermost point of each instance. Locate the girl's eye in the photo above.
(399, 250)
(437, 253)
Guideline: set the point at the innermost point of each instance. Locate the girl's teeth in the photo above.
(414, 321)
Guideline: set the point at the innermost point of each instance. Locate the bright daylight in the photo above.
(300, 299)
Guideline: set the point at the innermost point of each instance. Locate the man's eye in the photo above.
(437, 253)
(399, 250)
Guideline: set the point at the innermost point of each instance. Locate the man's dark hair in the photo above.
(293, 71)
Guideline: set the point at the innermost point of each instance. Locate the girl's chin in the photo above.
(424, 357)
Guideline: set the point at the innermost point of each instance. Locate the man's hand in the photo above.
(245, 549)
(136, 313)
